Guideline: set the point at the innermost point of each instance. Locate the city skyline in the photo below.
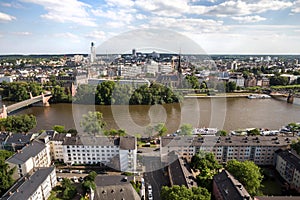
(218, 27)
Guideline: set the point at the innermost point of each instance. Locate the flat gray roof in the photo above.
(179, 141)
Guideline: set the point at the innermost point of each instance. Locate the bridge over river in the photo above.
(43, 98)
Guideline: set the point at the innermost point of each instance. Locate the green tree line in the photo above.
(112, 93)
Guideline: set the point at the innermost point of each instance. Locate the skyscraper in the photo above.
(93, 52)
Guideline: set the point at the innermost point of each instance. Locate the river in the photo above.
(222, 113)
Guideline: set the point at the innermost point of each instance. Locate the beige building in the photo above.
(260, 149)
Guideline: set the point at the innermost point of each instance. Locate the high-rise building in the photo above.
(93, 52)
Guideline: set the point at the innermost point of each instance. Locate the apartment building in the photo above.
(117, 152)
(36, 154)
(259, 149)
(36, 186)
(56, 146)
(288, 166)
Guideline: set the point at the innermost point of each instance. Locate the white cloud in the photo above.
(22, 33)
(249, 19)
(140, 16)
(120, 3)
(5, 17)
(70, 36)
(296, 7)
(164, 7)
(192, 25)
(121, 15)
(65, 11)
(239, 7)
(96, 35)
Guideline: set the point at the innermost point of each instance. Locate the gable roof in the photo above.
(27, 152)
(29, 185)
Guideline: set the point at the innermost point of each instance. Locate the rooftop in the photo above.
(291, 157)
(127, 142)
(19, 138)
(27, 152)
(229, 187)
(91, 140)
(30, 185)
(114, 187)
(226, 141)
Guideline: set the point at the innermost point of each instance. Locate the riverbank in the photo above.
(219, 95)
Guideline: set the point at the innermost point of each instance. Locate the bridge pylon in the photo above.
(45, 100)
(3, 114)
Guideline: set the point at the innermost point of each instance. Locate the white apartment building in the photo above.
(151, 67)
(288, 166)
(259, 149)
(36, 186)
(119, 153)
(36, 154)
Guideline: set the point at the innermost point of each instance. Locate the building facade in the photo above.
(259, 149)
(288, 166)
(117, 152)
(36, 154)
(36, 186)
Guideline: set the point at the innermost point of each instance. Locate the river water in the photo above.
(222, 113)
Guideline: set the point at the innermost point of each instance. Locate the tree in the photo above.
(186, 129)
(18, 123)
(161, 129)
(89, 181)
(6, 180)
(59, 95)
(254, 132)
(69, 190)
(114, 132)
(182, 193)
(230, 86)
(221, 133)
(208, 167)
(294, 127)
(296, 146)
(59, 129)
(92, 123)
(191, 82)
(248, 173)
(278, 80)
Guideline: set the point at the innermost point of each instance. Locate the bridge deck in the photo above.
(25, 103)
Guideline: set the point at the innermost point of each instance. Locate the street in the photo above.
(154, 175)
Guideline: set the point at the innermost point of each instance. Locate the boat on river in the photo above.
(258, 96)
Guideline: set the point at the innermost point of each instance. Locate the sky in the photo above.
(217, 26)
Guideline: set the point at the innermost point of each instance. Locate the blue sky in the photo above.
(218, 26)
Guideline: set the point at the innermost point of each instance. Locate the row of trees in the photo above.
(18, 123)
(19, 91)
(182, 193)
(110, 93)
